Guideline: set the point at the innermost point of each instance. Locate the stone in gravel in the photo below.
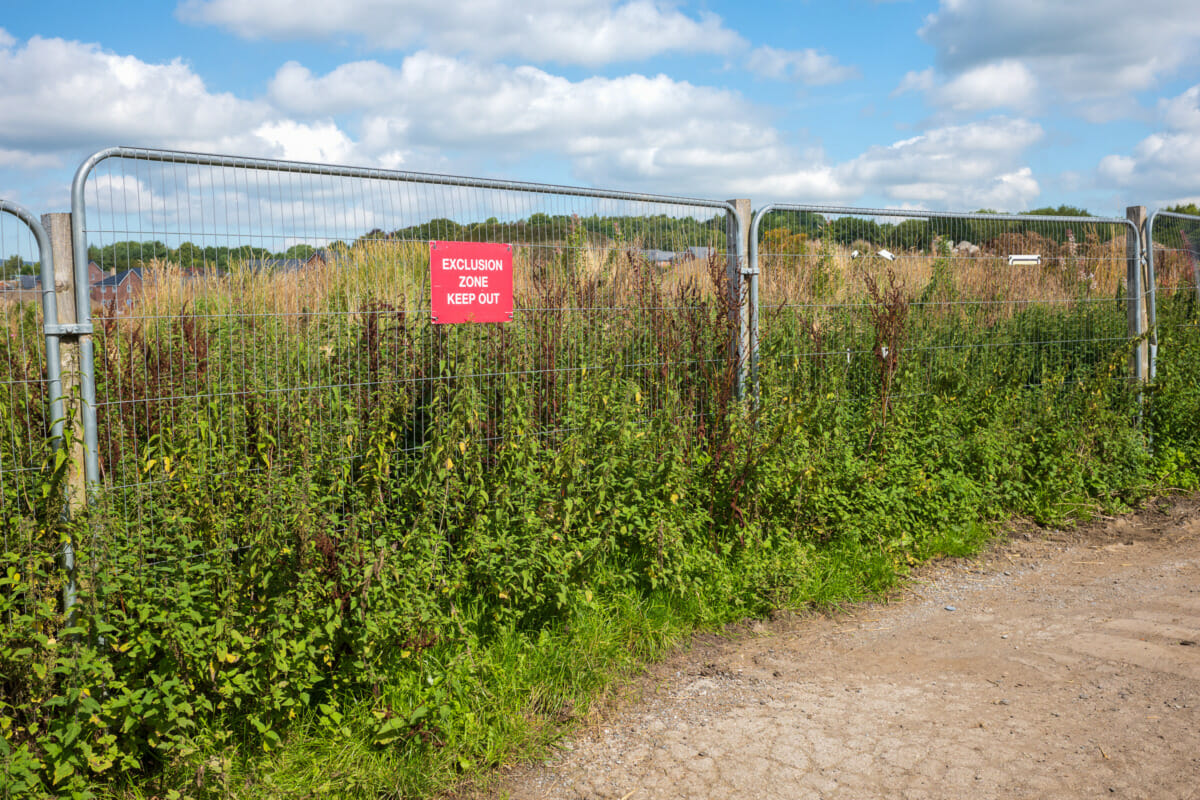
(951, 608)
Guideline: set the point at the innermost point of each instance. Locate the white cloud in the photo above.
(24, 159)
(1004, 84)
(914, 81)
(954, 167)
(647, 132)
(949, 168)
(1163, 167)
(62, 97)
(63, 94)
(654, 133)
(629, 127)
(588, 32)
(1084, 52)
(351, 87)
(293, 141)
(809, 67)
(1182, 113)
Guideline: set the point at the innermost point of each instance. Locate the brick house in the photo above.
(118, 291)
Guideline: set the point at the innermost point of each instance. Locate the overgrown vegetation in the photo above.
(342, 550)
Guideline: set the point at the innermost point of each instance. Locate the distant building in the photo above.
(95, 274)
(118, 291)
(662, 258)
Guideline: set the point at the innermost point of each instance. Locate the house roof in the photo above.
(657, 255)
(119, 278)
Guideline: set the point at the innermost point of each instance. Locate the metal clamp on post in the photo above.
(73, 329)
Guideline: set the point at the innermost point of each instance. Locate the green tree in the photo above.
(300, 251)
(15, 265)
(1061, 211)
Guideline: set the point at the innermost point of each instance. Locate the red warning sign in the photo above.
(471, 282)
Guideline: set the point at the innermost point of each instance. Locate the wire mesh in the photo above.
(1174, 258)
(25, 423)
(875, 305)
(1175, 264)
(261, 325)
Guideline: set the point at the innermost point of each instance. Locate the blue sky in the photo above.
(939, 104)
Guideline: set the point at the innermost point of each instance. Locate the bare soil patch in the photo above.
(1058, 664)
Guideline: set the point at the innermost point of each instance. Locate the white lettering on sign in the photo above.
(489, 264)
(472, 281)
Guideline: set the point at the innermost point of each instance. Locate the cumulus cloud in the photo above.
(950, 168)
(1182, 113)
(1083, 53)
(63, 94)
(809, 67)
(655, 133)
(916, 81)
(1164, 165)
(954, 167)
(589, 32)
(64, 97)
(24, 159)
(1004, 84)
(611, 128)
(648, 132)
(293, 141)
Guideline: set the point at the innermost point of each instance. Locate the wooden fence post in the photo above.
(58, 230)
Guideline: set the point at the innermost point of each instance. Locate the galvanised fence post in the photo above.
(742, 286)
(1136, 282)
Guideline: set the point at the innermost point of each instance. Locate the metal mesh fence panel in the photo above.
(1173, 241)
(878, 305)
(1174, 245)
(31, 409)
(31, 402)
(24, 427)
(264, 330)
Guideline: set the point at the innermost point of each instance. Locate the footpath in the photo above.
(1059, 664)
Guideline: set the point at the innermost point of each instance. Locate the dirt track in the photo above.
(1058, 665)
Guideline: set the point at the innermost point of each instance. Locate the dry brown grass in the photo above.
(594, 273)
(833, 276)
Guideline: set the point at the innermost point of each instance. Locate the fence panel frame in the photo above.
(1152, 278)
(735, 224)
(1133, 273)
